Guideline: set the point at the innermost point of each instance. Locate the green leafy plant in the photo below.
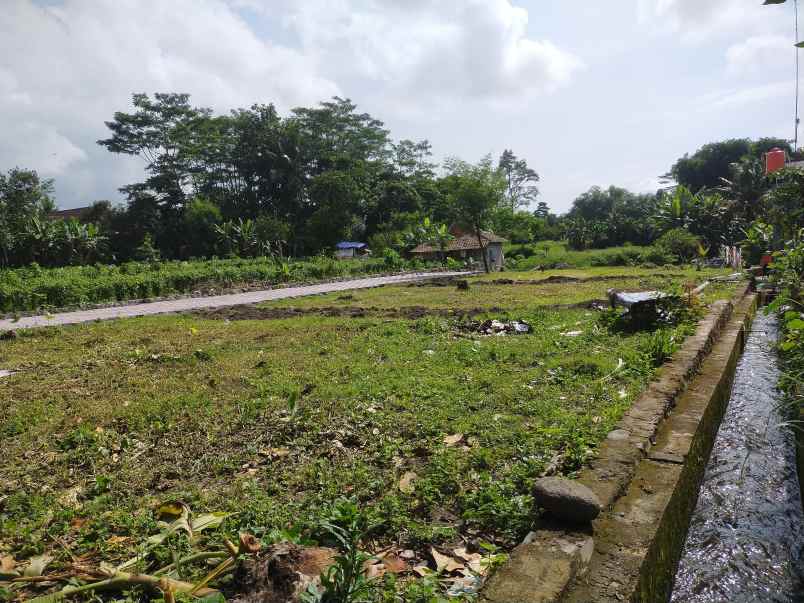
(661, 346)
(345, 581)
(680, 243)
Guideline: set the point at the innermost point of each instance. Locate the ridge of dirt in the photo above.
(249, 312)
(552, 279)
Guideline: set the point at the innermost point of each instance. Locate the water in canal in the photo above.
(746, 537)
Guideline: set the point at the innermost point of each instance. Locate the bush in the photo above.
(617, 256)
(549, 254)
(391, 258)
(454, 264)
(680, 243)
(655, 257)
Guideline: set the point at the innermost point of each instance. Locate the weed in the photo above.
(660, 346)
(345, 581)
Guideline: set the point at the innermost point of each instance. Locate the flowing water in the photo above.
(746, 537)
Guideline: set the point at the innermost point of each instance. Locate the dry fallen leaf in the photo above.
(275, 452)
(77, 522)
(37, 565)
(445, 563)
(452, 440)
(373, 570)
(473, 560)
(7, 564)
(117, 539)
(406, 482)
(394, 563)
(423, 570)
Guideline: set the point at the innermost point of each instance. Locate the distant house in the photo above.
(350, 249)
(465, 246)
(67, 214)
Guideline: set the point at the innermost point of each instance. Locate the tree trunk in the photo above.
(482, 250)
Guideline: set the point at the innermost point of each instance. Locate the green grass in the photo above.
(272, 420)
(34, 287)
(549, 254)
(593, 285)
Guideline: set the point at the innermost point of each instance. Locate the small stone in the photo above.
(567, 499)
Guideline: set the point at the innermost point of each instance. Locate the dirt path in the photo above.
(216, 301)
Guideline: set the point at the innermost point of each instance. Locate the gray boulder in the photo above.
(567, 499)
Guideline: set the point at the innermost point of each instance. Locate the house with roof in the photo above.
(465, 246)
(351, 249)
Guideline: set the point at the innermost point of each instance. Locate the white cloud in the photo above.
(66, 67)
(476, 49)
(760, 55)
(742, 96)
(699, 20)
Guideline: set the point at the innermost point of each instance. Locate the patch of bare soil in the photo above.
(552, 279)
(249, 312)
(280, 573)
(406, 312)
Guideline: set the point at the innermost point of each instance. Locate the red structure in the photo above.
(774, 160)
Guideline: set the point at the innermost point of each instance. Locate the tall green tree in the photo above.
(609, 217)
(24, 198)
(475, 192)
(520, 180)
(709, 165)
(160, 131)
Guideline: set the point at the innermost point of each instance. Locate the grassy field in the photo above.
(436, 431)
(552, 288)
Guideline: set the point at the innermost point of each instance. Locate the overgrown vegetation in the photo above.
(435, 434)
(35, 287)
(788, 275)
(555, 254)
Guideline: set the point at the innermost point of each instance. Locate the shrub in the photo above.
(454, 264)
(391, 258)
(655, 256)
(679, 242)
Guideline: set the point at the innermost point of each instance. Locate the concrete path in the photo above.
(216, 301)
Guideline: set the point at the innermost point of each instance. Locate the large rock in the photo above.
(567, 499)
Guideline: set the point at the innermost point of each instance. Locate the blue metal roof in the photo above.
(350, 245)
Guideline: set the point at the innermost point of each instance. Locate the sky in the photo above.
(590, 93)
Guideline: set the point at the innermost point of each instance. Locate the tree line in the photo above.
(254, 182)
(716, 195)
